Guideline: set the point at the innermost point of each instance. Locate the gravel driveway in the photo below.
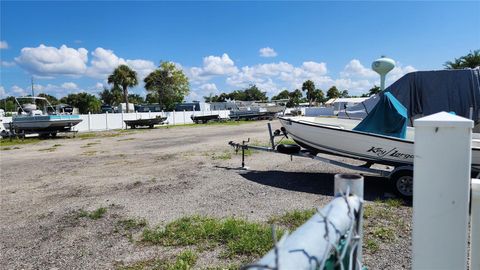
(158, 175)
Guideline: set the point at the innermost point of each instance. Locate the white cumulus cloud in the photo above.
(3, 44)
(3, 93)
(51, 61)
(7, 64)
(212, 66)
(69, 85)
(18, 91)
(209, 87)
(267, 52)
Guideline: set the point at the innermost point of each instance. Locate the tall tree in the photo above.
(471, 60)
(295, 98)
(111, 96)
(124, 77)
(169, 84)
(344, 94)
(282, 95)
(374, 90)
(85, 102)
(333, 93)
(136, 99)
(8, 104)
(253, 93)
(319, 96)
(53, 100)
(309, 86)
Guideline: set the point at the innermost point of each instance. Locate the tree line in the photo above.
(167, 85)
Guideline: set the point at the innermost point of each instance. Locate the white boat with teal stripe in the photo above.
(36, 114)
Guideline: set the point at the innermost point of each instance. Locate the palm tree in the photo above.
(125, 77)
(309, 86)
(471, 60)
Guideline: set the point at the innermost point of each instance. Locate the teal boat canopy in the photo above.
(389, 117)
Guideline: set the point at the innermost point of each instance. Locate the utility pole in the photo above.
(33, 93)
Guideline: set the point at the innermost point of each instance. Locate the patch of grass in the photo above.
(394, 202)
(287, 141)
(89, 144)
(57, 145)
(132, 223)
(384, 233)
(293, 219)
(50, 149)
(165, 157)
(89, 153)
(223, 156)
(96, 214)
(226, 267)
(127, 139)
(240, 237)
(371, 245)
(6, 148)
(184, 261)
(100, 134)
(7, 142)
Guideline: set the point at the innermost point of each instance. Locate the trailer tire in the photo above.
(402, 183)
(288, 148)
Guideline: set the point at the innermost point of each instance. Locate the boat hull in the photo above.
(46, 123)
(334, 139)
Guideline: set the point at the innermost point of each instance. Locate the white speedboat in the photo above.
(336, 136)
(31, 119)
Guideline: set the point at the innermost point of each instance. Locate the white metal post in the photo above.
(441, 191)
(184, 117)
(106, 120)
(123, 122)
(475, 226)
(174, 117)
(89, 114)
(353, 183)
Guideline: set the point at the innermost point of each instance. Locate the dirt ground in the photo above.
(159, 175)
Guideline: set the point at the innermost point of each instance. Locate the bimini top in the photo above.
(389, 117)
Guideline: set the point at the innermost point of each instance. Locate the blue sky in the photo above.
(224, 46)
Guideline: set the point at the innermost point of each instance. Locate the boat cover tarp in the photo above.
(389, 117)
(429, 92)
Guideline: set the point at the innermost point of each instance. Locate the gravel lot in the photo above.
(161, 175)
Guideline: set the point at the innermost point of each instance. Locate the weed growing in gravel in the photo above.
(89, 153)
(293, 219)
(7, 142)
(10, 148)
(240, 237)
(371, 245)
(50, 149)
(89, 144)
(384, 233)
(223, 156)
(96, 214)
(184, 261)
(394, 202)
(127, 139)
(132, 223)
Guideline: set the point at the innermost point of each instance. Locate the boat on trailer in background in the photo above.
(383, 135)
(35, 115)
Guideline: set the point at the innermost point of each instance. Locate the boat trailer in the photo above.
(401, 176)
(13, 132)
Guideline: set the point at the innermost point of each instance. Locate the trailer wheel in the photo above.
(402, 183)
(53, 134)
(150, 126)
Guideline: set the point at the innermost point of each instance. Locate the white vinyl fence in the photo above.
(107, 121)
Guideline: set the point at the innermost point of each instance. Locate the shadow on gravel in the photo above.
(316, 183)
